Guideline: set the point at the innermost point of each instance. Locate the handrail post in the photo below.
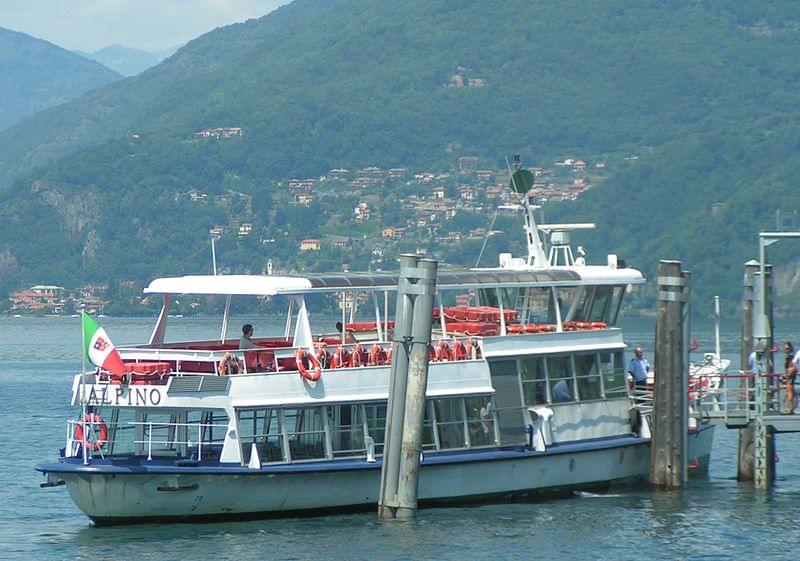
(150, 442)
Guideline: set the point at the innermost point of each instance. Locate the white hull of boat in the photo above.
(108, 498)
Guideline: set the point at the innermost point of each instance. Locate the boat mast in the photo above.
(521, 183)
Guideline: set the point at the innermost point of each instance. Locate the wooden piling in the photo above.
(745, 467)
(668, 452)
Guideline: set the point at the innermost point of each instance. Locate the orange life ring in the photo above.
(102, 432)
(458, 351)
(323, 356)
(389, 355)
(442, 351)
(340, 358)
(473, 350)
(300, 358)
(356, 358)
(377, 355)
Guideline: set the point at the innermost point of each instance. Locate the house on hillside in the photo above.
(468, 163)
(340, 241)
(437, 192)
(309, 244)
(362, 212)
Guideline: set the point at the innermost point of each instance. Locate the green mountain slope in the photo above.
(37, 75)
(711, 89)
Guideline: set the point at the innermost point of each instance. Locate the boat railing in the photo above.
(165, 362)
(197, 435)
(729, 396)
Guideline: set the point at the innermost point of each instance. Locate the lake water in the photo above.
(715, 518)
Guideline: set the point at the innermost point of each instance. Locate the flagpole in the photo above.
(83, 390)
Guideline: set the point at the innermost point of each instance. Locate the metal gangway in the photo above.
(728, 398)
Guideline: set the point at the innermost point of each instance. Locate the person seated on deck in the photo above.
(229, 364)
(561, 392)
(246, 342)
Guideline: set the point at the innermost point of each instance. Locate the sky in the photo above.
(150, 25)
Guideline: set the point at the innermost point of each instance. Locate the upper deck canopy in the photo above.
(263, 285)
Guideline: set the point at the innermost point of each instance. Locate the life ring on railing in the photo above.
(389, 354)
(442, 351)
(324, 357)
(340, 358)
(102, 432)
(473, 350)
(356, 357)
(300, 358)
(377, 356)
(458, 351)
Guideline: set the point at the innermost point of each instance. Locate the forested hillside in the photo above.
(36, 75)
(705, 95)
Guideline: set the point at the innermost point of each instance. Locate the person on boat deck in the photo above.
(561, 392)
(791, 366)
(638, 368)
(246, 342)
(229, 364)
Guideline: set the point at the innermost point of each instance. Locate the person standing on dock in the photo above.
(638, 368)
(791, 366)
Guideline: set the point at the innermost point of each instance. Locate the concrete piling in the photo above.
(408, 381)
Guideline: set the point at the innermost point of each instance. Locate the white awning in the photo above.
(249, 285)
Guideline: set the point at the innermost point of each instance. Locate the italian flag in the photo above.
(98, 347)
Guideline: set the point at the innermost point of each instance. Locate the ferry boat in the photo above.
(527, 394)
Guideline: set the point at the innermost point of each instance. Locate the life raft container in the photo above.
(300, 358)
(474, 328)
(365, 326)
(101, 434)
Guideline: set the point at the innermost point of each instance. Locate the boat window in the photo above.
(450, 422)
(261, 426)
(121, 430)
(375, 417)
(480, 420)
(615, 381)
(601, 303)
(533, 381)
(562, 387)
(159, 435)
(587, 375)
(616, 304)
(347, 431)
(305, 430)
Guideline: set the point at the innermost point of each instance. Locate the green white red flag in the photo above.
(98, 347)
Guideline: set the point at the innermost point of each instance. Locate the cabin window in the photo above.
(262, 427)
(562, 387)
(347, 431)
(480, 421)
(450, 423)
(305, 431)
(616, 304)
(534, 386)
(612, 369)
(600, 303)
(587, 376)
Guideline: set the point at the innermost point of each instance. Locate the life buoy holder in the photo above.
(101, 433)
(300, 358)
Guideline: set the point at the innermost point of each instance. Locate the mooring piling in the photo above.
(407, 382)
(668, 451)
